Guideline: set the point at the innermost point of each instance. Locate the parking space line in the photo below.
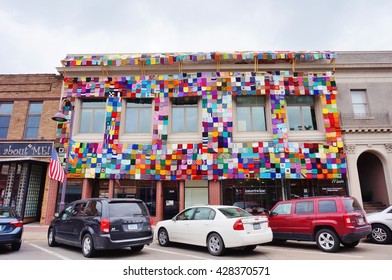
(49, 252)
(313, 253)
(180, 254)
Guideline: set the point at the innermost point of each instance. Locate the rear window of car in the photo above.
(234, 212)
(327, 206)
(127, 209)
(7, 213)
(351, 205)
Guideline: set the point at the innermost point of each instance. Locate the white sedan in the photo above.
(216, 227)
(381, 226)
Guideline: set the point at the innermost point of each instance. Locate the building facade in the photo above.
(365, 103)
(239, 128)
(27, 133)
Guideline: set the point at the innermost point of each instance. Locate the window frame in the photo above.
(303, 105)
(6, 114)
(251, 106)
(32, 115)
(180, 137)
(139, 137)
(76, 134)
(364, 104)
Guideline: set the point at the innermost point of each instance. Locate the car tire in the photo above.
(351, 244)
(137, 248)
(215, 244)
(380, 234)
(327, 240)
(163, 237)
(51, 238)
(16, 246)
(88, 249)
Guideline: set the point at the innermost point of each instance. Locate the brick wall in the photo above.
(24, 88)
(214, 193)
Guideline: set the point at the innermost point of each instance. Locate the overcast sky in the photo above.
(36, 34)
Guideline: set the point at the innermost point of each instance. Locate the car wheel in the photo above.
(51, 239)
(16, 246)
(380, 234)
(137, 248)
(88, 249)
(163, 238)
(327, 240)
(215, 244)
(351, 244)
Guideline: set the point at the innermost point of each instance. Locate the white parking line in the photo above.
(312, 252)
(175, 253)
(49, 252)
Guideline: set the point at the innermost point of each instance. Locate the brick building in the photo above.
(27, 133)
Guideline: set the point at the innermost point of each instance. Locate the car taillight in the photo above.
(17, 223)
(347, 220)
(151, 221)
(105, 225)
(238, 225)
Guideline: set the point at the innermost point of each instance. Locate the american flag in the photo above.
(56, 171)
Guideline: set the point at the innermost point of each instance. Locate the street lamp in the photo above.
(60, 117)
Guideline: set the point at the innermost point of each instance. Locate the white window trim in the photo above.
(83, 137)
(249, 136)
(142, 138)
(317, 135)
(185, 137)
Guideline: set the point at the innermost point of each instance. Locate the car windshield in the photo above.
(127, 209)
(7, 213)
(351, 205)
(234, 212)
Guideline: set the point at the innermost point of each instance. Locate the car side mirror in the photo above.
(271, 214)
(56, 215)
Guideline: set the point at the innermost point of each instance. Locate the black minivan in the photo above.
(102, 223)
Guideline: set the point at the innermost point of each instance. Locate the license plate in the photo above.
(256, 226)
(132, 226)
(360, 220)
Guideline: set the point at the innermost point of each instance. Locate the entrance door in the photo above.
(170, 202)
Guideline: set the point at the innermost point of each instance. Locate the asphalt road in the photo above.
(35, 247)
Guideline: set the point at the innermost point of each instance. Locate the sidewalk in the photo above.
(34, 231)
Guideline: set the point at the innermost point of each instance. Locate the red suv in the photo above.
(327, 220)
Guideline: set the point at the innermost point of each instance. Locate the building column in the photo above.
(111, 189)
(49, 201)
(87, 188)
(159, 202)
(182, 195)
(354, 185)
(214, 192)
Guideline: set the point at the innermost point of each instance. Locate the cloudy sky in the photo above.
(36, 35)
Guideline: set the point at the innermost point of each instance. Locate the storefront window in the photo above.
(73, 191)
(196, 193)
(254, 196)
(144, 190)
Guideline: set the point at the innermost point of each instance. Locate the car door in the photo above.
(200, 225)
(302, 220)
(76, 223)
(62, 224)
(180, 228)
(280, 220)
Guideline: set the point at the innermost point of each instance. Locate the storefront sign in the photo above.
(18, 149)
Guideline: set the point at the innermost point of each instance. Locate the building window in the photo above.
(185, 115)
(358, 99)
(301, 113)
(251, 113)
(92, 118)
(138, 115)
(5, 117)
(33, 120)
